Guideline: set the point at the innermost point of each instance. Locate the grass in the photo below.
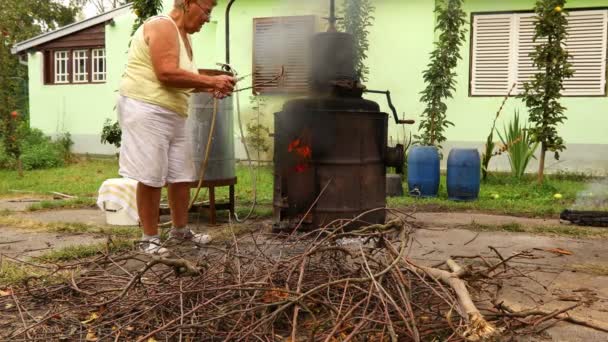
(565, 230)
(78, 252)
(12, 272)
(81, 179)
(63, 204)
(503, 194)
(500, 194)
(69, 227)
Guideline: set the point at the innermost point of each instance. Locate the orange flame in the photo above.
(302, 152)
(293, 145)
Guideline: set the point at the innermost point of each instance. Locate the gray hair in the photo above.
(182, 3)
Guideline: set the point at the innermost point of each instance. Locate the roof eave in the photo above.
(69, 29)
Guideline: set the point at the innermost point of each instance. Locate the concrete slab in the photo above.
(88, 216)
(21, 243)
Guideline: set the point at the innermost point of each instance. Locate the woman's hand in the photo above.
(224, 84)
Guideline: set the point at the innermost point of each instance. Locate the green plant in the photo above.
(357, 17)
(111, 133)
(257, 138)
(440, 78)
(38, 150)
(257, 133)
(5, 159)
(64, 142)
(145, 9)
(520, 145)
(542, 94)
(42, 156)
(12, 130)
(487, 155)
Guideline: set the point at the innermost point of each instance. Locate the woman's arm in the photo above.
(163, 42)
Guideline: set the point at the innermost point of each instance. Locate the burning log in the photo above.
(585, 218)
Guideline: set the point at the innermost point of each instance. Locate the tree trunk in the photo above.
(19, 167)
(541, 163)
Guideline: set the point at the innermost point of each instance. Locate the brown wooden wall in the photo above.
(90, 37)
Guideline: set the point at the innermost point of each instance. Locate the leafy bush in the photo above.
(64, 142)
(6, 162)
(257, 137)
(519, 144)
(37, 151)
(42, 156)
(111, 133)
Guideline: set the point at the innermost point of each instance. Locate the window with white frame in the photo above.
(502, 43)
(62, 74)
(99, 65)
(80, 66)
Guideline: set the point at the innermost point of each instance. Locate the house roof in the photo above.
(69, 29)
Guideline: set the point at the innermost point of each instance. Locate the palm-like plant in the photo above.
(519, 144)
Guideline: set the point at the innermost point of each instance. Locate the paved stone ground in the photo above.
(556, 276)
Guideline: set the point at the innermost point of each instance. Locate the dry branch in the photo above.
(326, 285)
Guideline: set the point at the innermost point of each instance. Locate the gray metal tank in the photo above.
(221, 164)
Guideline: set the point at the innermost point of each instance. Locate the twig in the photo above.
(510, 312)
(473, 239)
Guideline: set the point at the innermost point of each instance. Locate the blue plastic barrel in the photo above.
(423, 171)
(463, 174)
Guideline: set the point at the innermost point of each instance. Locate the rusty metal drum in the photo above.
(329, 161)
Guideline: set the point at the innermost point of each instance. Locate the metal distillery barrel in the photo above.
(423, 171)
(221, 163)
(463, 174)
(329, 158)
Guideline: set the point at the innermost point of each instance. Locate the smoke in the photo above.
(593, 197)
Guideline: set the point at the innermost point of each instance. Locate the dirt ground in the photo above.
(555, 280)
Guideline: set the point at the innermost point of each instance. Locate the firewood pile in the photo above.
(325, 285)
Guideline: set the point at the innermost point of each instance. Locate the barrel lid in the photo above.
(214, 72)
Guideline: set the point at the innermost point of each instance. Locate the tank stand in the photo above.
(213, 207)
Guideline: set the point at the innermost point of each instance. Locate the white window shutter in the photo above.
(586, 43)
(525, 30)
(492, 54)
(282, 42)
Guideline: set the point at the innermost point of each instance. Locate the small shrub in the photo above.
(38, 151)
(257, 137)
(64, 142)
(519, 144)
(42, 156)
(111, 133)
(32, 137)
(257, 133)
(6, 162)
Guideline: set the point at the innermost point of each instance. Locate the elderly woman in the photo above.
(152, 110)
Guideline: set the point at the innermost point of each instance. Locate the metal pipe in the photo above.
(332, 16)
(391, 106)
(228, 30)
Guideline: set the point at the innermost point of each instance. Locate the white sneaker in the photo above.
(189, 235)
(153, 246)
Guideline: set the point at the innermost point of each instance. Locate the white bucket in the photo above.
(116, 215)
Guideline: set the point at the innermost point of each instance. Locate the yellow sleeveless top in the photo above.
(139, 80)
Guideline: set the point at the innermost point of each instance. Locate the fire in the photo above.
(302, 152)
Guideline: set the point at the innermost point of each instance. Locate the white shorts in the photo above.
(155, 149)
